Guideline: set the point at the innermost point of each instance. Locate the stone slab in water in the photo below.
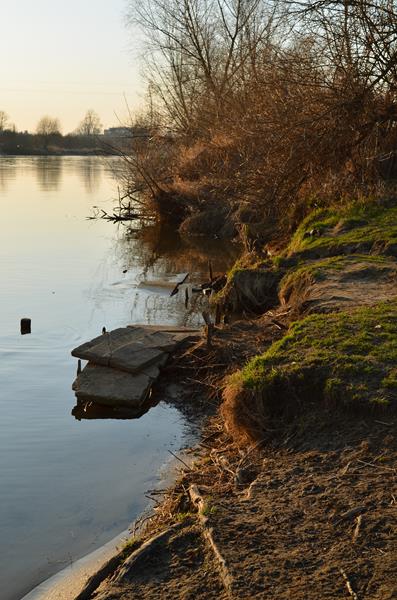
(132, 348)
(111, 387)
(176, 335)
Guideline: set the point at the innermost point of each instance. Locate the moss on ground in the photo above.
(339, 360)
(319, 270)
(357, 228)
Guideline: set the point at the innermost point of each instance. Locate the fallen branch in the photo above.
(181, 282)
(348, 585)
(379, 468)
(199, 503)
(180, 460)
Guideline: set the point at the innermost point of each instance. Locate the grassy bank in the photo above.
(341, 358)
(297, 462)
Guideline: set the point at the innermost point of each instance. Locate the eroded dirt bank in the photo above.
(292, 493)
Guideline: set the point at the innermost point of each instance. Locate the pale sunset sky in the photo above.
(63, 57)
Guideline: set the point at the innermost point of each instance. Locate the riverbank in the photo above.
(68, 485)
(293, 490)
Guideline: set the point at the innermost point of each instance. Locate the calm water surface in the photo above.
(67, 487)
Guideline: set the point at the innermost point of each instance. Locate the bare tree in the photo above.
(48, 126)
(272, 101)
(198, 50)
(90, 124)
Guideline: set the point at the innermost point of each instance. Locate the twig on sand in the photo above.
(199, 503)
(380, 468)
(180, 460)
(357, 528)
(149, 497)
(348, 584)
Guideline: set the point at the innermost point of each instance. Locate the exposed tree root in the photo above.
(198, 501)
(95, 580)
(143, 551)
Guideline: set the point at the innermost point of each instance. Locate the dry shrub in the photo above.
(242, 414)
(280, 105)
(294, 291)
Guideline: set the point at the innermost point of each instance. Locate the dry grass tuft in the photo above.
(242, 414)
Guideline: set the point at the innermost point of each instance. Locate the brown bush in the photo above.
(277, 105)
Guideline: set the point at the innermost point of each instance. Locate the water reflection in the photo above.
(91, 410)
(49, 172)
(157, 256)
(7, 171)
(160, 248)
(60, 270)
(90, 172)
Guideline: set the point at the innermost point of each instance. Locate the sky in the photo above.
(63, 57)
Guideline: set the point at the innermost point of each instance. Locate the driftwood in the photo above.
(214, 285)
(123, 213)
(198, 501)
(176, 288)
(127, 209)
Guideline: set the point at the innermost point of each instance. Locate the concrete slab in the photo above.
(111, 387)
(175, 335)
(133, 348)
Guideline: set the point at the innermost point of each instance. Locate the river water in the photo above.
(68, 486)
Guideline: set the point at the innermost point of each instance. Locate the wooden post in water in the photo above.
(26, 326)
(209, 328)
(210, 271)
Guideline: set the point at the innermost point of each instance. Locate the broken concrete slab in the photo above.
(167, 328)
(132, 348)
(175, 335)
(111, 387)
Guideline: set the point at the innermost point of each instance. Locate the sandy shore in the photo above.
(66, 584)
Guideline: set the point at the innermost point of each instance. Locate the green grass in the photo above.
(181, 517)
(319, 269)
(358, 227)
(208, 510)
(340, 359)
(130, 546)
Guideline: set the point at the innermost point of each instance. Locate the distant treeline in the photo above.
(14, 142)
